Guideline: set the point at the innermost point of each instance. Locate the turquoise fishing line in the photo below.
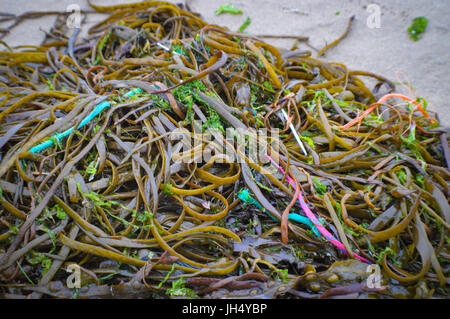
(246, 198)
(96, 111)
(306, 221)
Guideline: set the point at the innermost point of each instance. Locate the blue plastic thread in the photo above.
(96, 111)
(246, 198)
(306, 221)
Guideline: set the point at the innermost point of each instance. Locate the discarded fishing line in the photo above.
(165, 157)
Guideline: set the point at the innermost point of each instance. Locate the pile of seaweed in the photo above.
(349, 198)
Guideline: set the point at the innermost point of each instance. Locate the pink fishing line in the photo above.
(313, 218)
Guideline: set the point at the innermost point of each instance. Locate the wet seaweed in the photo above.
(92, 174)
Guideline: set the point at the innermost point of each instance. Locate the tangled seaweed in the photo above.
(91, 177)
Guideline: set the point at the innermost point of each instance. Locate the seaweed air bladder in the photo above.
(95, 173)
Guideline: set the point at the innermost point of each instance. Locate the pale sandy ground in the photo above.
(386, 50)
